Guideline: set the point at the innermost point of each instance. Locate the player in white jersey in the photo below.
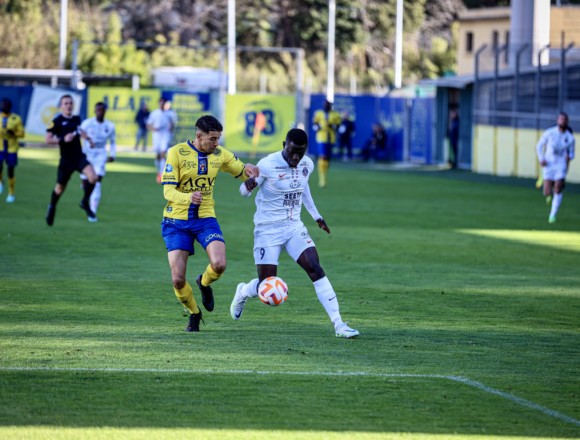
(96, 133)
(283, 184)
(555, 150)
(160, 123)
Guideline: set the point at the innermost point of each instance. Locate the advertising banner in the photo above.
(122, 106)
(257, 124)
(189, 108)
(44, 106)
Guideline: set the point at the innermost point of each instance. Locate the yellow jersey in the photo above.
(188, 170)
(327, 124)
(14, 123)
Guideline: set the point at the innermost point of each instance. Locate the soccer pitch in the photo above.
(467, 301)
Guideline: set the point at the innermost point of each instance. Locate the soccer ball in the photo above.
(273, 291)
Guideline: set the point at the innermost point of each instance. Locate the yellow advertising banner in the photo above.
(258, 123)
(122, 106)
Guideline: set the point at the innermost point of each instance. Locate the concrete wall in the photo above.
(507, 151)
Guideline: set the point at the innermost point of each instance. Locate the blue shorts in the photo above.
(10, 158)
(180, 234)
(324, 149)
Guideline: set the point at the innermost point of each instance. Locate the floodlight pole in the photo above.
(232, 47)
(63, 32)
(330, 55)
(399, 45)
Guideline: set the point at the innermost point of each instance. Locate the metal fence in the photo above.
(526, 97)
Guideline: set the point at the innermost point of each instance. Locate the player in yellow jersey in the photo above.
(188, 181)
(11, 129)
(326, 122)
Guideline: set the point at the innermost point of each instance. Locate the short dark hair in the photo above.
(62, 97)
(298, 136)
(208, 123)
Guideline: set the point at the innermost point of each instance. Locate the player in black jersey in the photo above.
(64, 130)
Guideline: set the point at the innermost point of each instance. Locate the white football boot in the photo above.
(238, 303)
(344, 331)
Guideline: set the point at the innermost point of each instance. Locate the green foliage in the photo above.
(176, 33)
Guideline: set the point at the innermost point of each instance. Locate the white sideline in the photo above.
(463, 380)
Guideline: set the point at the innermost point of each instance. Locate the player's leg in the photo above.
(88, 186)
(301, 248)
(95, 199)
(210, 236)
(11, 162)
(266, 259)
(63, 174)
(179, 244)
(557, 199)
(2, 156)
(325, 150)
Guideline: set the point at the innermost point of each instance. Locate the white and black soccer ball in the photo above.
(273, 291)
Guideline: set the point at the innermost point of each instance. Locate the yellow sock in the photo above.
(209, 276)
(322, 172)
(11, 185)
(185, 296)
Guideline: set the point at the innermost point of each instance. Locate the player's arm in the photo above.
(51, 137)
(112, 144)
(249, 185)
(308, 203)
(18, 131)
(540, 148)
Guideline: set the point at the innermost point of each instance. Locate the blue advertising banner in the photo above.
(189, 108)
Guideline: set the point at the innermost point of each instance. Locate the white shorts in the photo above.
(270, 240)
(555, 171)
(161, 140)
(98, 159)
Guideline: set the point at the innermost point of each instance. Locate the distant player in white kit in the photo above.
(96, 133)
(555, 150)
(160, 123)
(283, 184)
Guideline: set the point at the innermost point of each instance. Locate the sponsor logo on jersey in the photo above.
(202, 165)
(213, 237)
(305, 171)
(281, 176)
(184, 151)
(295, 184)
(169, 209)
(168, 168)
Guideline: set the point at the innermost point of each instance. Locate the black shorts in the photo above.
(67, 166)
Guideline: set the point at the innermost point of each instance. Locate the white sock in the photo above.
(95, 197)
(556, 200)
(327, 298)
(250, 290)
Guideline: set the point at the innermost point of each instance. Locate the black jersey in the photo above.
(61, 126)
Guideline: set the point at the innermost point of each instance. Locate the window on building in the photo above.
(469, 42)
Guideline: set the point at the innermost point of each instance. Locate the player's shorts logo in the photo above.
(168, 168)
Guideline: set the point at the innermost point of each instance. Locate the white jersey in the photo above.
(283, 190)
(160, 121)
(556, 147)
(100, 133)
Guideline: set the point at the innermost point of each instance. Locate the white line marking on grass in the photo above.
(459, 379)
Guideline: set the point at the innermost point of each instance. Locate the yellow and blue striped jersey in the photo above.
(9, 141)
(188, 170)
(327, 124)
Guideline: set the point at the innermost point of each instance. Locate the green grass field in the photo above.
(467, 300)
